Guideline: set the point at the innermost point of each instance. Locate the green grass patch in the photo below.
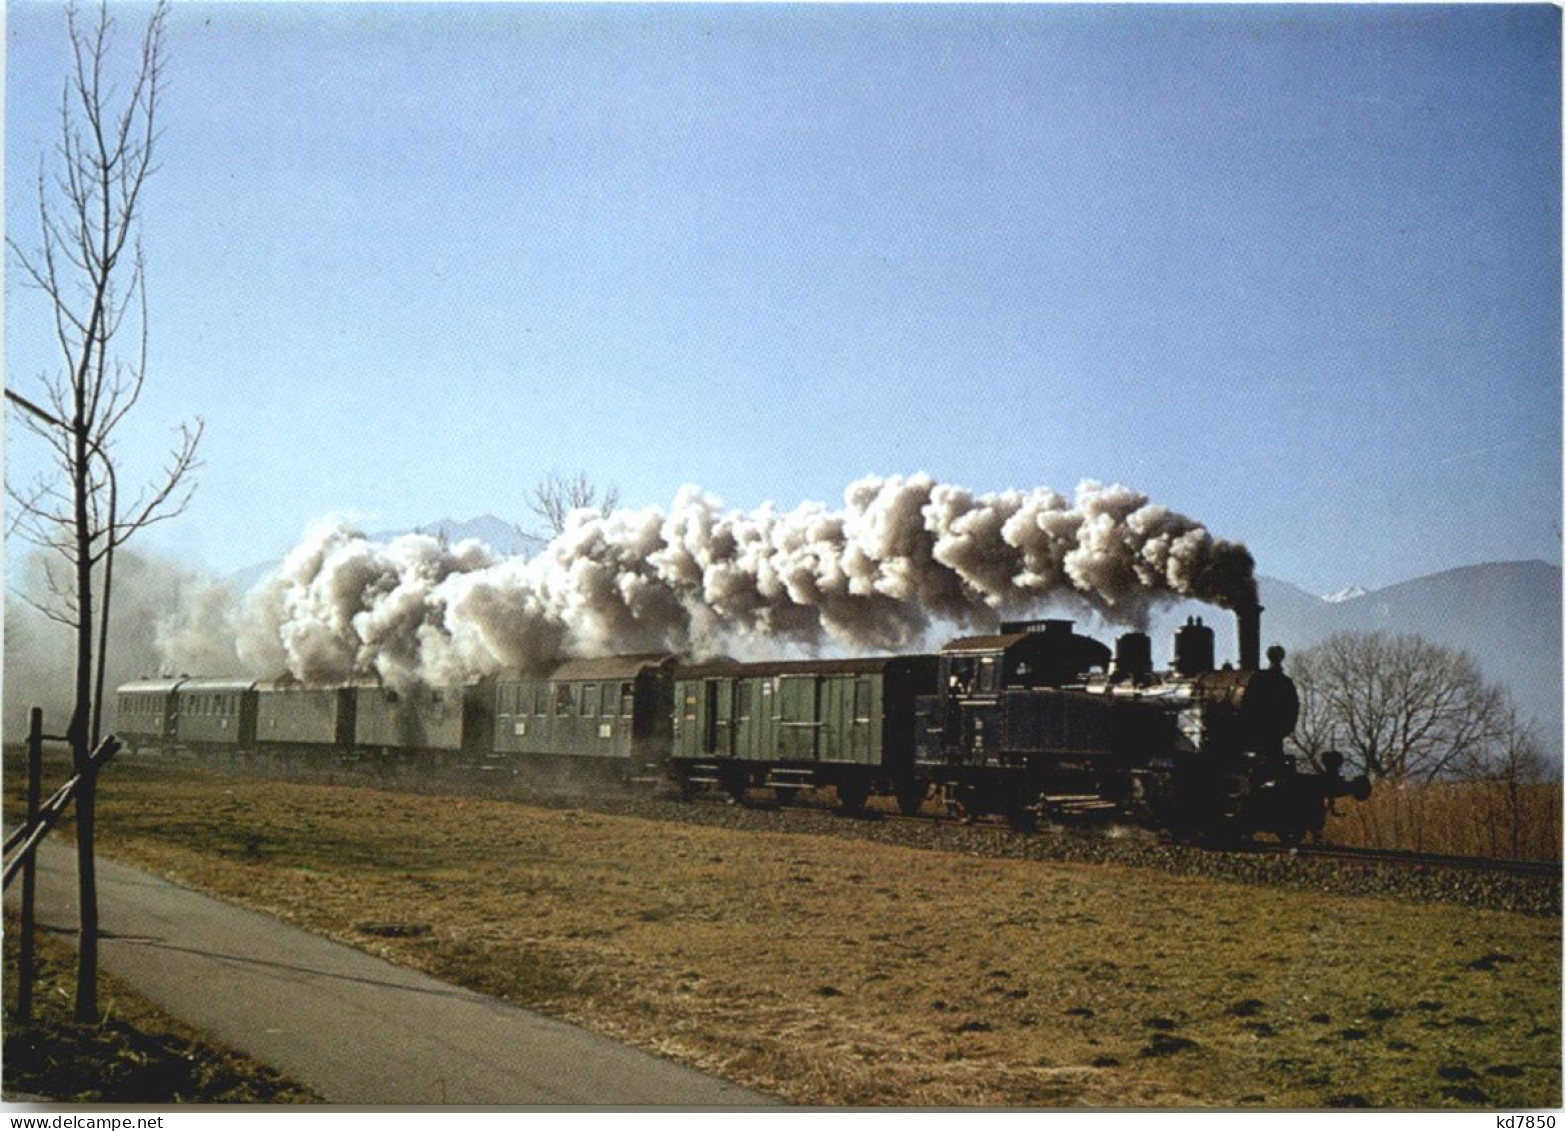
(836, 971)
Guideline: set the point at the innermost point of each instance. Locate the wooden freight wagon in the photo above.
(802, 724)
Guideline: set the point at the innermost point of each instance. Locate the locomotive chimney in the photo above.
(1193, 649)
(1133, 655)
(1249, 617)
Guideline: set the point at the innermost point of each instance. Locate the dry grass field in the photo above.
(1461, 818)
(834, 971)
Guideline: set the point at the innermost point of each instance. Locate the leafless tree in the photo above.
(90, 269)
(557, 496)
(1398, 707)
(1513, 770)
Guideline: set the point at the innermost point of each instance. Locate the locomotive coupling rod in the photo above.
(48, 815)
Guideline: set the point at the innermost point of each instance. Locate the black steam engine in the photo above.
(1040, 721)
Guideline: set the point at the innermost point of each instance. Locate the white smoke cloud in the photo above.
(162, 621)
(872, 574)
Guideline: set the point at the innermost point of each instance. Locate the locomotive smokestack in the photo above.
(1249, 617)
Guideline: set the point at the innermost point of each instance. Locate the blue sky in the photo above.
(1292, 271)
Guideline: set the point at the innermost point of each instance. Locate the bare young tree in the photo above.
(1399, 707)
(1513, 770)
(90, 269)
(557, 496)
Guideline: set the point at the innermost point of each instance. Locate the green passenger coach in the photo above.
(450, 724)
(146, 712)
(611, 714)
(801, 725)
(214, 714)
(293, 716)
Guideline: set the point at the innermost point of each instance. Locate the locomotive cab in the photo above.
(1026, 654)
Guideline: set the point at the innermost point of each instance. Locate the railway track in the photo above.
(1341, 854)
(1426, 860)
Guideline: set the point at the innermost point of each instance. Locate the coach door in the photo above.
(798, 717)
(718, 737)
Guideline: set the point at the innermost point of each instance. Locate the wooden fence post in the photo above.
(25, 967)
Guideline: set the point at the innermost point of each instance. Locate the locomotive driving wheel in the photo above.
(910, 796)
(1022, 819)
(959, 803)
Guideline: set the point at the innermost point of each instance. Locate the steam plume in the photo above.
(697, 578)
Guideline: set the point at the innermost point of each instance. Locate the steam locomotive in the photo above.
(1037, 721)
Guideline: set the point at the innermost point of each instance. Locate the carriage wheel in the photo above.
(734, 785)
(852, 795)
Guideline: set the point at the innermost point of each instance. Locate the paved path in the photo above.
(354, 1028)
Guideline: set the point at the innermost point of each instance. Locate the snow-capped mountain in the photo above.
(1347, 594)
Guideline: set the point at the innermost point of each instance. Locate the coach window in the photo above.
(540, 699)
(743, 698)
(564, 700)
(589, 701)
(627, 700)
(861, 698)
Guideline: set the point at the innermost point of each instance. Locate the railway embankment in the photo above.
(863, 968)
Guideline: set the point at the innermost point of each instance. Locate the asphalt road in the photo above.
(354, 1028)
